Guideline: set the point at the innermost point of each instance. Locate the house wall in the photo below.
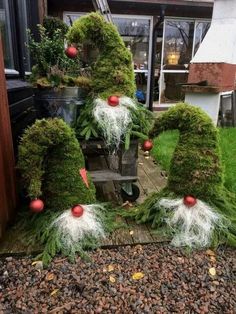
(144, 7)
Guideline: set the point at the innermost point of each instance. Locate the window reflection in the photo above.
(6, 34)
(178, 42)
(200, 33)
(135, 33)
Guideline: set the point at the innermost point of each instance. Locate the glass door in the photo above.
(181, 40)
(135, 31)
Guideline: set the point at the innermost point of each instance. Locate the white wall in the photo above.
(219, 44)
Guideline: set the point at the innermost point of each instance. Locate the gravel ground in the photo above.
(173, 282)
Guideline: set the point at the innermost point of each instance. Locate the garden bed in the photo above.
(141, 279)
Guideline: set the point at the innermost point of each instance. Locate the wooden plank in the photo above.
(153, 171)
(145, 181)
(156, 238)
(122, 236)
(140, 233)
(7, 183)
(109, 175)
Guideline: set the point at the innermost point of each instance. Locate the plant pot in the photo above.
(64, 103)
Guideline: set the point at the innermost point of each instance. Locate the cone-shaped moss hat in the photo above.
(50, 160)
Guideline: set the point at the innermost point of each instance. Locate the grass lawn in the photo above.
(164, 146)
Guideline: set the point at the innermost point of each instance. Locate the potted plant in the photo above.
(56, 75)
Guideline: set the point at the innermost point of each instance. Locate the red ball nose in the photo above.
(113, 101)
(189, 201)
(77, 210)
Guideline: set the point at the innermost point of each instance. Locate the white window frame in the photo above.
(185, 19)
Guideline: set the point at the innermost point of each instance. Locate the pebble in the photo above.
(9, 258)
(175, 281)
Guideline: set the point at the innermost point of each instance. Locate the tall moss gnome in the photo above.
(61, 192)
(195, 208)
(111, 111)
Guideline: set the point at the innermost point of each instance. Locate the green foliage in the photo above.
(52, 24)
(112, 72)
(163, 148)
(52, 68)
(49, 160)
(142, 122)
(228, 148)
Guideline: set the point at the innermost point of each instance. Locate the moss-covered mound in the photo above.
(196, 164)
(112, 73)
(50, 160)
(195, 170)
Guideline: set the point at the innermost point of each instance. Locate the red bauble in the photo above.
(36, 206)
(77, 210)
(147, 145)
(71, 52)
(189, 201)
(113, 101)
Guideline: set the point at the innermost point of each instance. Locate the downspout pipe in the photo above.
(154, 39)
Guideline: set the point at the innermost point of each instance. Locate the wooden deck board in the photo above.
(152, 171)
(122, 236)
(140, 233)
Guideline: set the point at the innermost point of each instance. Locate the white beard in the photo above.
(73, 229)
(113, 121)
(194, 225)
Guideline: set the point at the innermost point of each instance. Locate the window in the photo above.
(13, 27)
(135, 32)
(181, 39)
(6, 33)
(200, 32)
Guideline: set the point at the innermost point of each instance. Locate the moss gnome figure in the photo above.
(53, 173)
(194, 209)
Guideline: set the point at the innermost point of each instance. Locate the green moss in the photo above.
(195, 169)
(196, 163)
(112, 73)
(49, 160)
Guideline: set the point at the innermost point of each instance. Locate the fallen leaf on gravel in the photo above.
(110, 268)
(131, 232)
(138, 276)
(38, 265)
(112, 279)
(210, 252)
(54, 292)
(212, 271)
(213, 259)
(50, 276)
(36, 262)
(139, 247)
